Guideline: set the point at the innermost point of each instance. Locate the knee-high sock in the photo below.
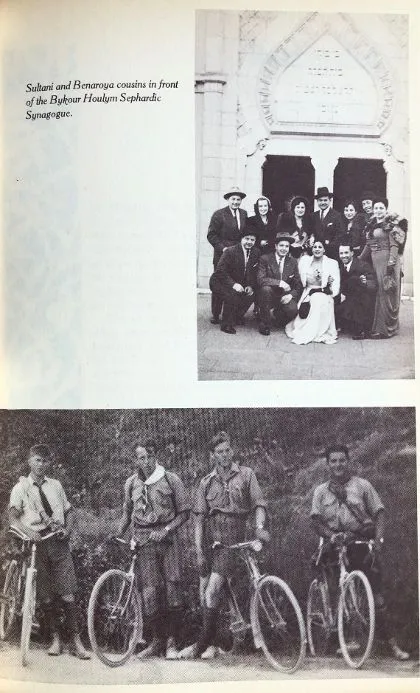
(208, 631)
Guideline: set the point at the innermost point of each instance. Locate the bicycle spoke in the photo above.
(356, 619)
(318, 625)
(113, 618)
(280, 623)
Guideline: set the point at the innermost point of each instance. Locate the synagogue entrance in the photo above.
(352, 177)
(287, 176)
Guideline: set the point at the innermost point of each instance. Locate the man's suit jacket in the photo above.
(350, 280)
(231, 269)
(223, 230)
(359, 305)
(269, 274)
(330, 229)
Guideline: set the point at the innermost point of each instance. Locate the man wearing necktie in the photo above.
(328, 224)
(234, 281)
(279, 284)
(38, 505)
(358, 285)
(225, 229)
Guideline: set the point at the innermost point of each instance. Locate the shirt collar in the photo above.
(35, 483)
(233, 470)
(157, 474)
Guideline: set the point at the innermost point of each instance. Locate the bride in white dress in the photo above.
(320, 277)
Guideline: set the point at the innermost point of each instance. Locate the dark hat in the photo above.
(41, 450)
(323, 192)
(234, 191)
(284, 237)
(367, 195)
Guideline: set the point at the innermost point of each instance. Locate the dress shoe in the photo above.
(377, 335)
(265, 331)
(228, 329)
(77, 649)
(360, 335)
(214, 321)
(56, 647)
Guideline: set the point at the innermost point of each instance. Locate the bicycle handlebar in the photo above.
(16, 532)
(253, 544)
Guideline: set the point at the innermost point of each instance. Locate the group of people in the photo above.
(156, 505)
(313, 273)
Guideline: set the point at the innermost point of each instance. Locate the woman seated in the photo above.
(296, 223)
(385, 240)
(320, 276)
(355, 223)
(264, 224)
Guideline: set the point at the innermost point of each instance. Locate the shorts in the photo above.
(228, 529)
(55, 569)
(159, 562)
(359, 558)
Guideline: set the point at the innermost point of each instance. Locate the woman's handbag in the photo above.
(304, 309)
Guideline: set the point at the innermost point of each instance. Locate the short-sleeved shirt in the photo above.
(336, 515)
(239, 494)
(157, 503)
(26, 499)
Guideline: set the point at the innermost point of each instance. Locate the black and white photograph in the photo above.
(304, 254)
(217, 544)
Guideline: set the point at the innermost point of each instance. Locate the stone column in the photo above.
(324, 165)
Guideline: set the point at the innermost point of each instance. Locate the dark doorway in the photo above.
(354, 176)
(287, 176)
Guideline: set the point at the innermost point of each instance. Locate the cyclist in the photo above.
(225, 499)
(347, 508)
(155, 506)
(38, 505)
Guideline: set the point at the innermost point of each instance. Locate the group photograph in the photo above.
(304, 256)
(187, 545)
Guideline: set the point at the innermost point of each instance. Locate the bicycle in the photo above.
(354, 617)
(115, 614)
(18, 599)
(275, 617)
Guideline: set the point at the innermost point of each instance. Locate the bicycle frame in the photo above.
(130, 574)
(343, 576)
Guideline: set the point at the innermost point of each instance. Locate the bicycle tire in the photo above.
(115, 622)
(355, 606)
(11, 598)
(277, 622)
(318, 629)
(28, 611)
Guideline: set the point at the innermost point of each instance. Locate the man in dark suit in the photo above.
(225, 228)
(279, 284)
(358, 291)
(234, 280)
(328, 224)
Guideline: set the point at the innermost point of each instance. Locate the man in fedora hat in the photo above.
(328, 225)
(224, 231)
(279, 284)
(234, 280)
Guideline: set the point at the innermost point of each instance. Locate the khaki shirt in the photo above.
(26, 499)
(239, 494)
(336, 516)
(166, 498)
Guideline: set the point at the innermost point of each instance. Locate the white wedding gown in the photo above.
(319, 326)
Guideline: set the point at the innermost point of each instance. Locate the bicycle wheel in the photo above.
(277, 624)
(115, 622)
(10, 600)
(28, 612)
(317, 621)
(356, 619)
